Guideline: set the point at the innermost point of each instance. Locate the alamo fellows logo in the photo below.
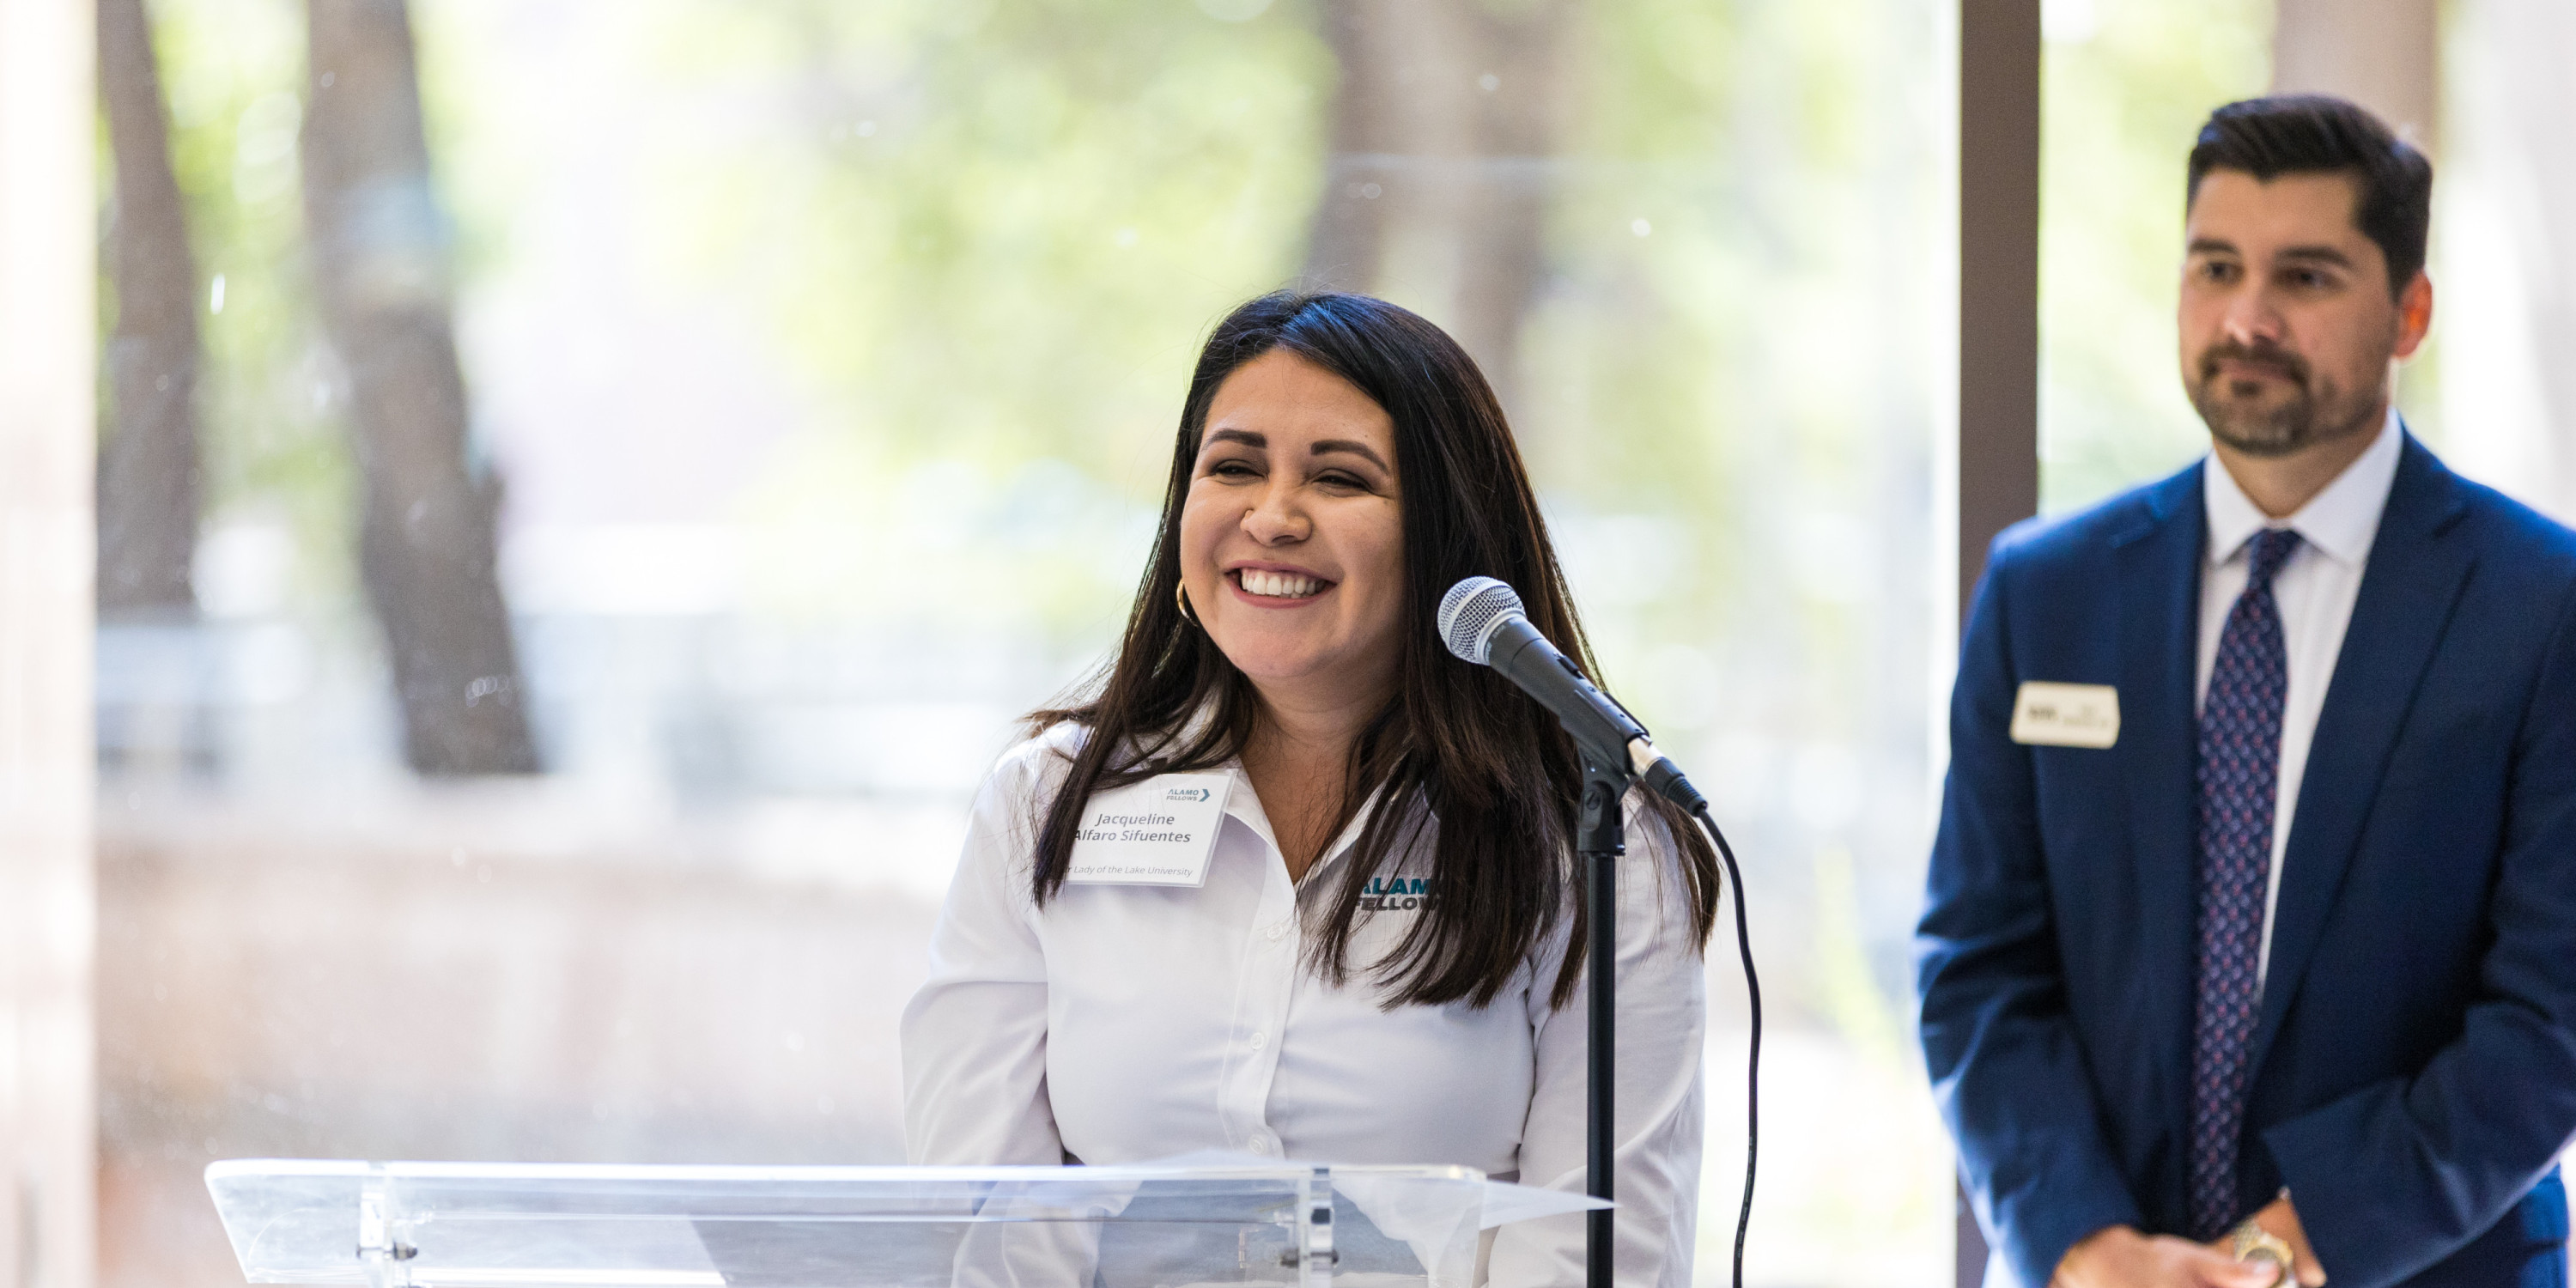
(1193, 795)
(1393, 894)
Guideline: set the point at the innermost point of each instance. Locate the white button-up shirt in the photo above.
(2315, 589)
(1123, 1023)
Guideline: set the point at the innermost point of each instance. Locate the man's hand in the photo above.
(2281, 1221)
(2120, 1257)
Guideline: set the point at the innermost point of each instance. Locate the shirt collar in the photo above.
(2339, 521)
(1243, 805)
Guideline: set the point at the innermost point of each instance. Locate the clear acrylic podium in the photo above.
(1164, 1225)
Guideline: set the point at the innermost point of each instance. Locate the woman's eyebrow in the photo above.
(1243, 436)
(1352, 446)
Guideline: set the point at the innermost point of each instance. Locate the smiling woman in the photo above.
(1292, 533)
(1247, 976)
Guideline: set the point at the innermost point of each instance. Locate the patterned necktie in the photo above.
(2240, 762)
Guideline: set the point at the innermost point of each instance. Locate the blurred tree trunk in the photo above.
(381, 260)
(1347, 236)
(1517, 96)
(2383, 54)
(1444, 128)
(148, 472)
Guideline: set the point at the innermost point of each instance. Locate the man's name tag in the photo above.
(1158, 832)
(2066, 715)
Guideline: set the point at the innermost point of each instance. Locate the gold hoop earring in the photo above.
(1181, 596)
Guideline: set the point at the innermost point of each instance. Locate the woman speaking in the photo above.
(1294, 880)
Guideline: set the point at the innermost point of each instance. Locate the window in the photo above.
(813, 370)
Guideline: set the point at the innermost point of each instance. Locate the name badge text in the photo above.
(2047, 714)
(1160, 832)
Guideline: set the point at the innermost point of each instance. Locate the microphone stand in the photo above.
(1600, 840)
(1479, 616)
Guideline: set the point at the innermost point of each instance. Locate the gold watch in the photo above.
(2249, 1242)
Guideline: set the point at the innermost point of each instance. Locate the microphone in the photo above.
(1482, 621)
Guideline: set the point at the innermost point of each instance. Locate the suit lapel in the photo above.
(2417, 567)
(2159, 580)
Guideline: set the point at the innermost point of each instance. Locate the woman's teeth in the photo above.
(1278, 585)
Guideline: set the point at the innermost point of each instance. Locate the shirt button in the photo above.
(1278, 932)
(1260, 1145)
(1258, 1039)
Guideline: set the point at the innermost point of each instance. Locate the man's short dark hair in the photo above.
(2309, 133)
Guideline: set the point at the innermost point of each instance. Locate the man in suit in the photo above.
(2251, 928)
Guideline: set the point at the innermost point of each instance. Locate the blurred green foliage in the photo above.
(990, 234)
(232, 71)
(989, 219)
(2121, 106)
(983, 239)
(1744, 339)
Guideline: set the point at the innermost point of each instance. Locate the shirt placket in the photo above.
(1264, 984)
(1266, 988)
(1269, 984)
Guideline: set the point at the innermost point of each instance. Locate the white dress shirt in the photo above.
(2315, 589)
(1123, 1023)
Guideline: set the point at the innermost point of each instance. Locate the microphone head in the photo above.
(1470, 614)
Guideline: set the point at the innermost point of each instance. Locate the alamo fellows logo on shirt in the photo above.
(1393, 894)
(1158, 832)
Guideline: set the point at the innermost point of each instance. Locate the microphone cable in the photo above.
(1753, 1061)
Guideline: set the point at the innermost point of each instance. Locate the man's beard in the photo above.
(2320, 410)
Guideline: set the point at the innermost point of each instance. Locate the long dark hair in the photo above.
(1455, 742)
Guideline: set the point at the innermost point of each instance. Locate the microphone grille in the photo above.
(1471, 611)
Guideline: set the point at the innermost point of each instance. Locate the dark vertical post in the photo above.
(1999, 68)
(1998, 275)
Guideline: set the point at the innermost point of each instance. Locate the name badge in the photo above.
(1159, 832)
(2066, 715)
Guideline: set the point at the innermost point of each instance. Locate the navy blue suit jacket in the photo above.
(2414, 1069)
